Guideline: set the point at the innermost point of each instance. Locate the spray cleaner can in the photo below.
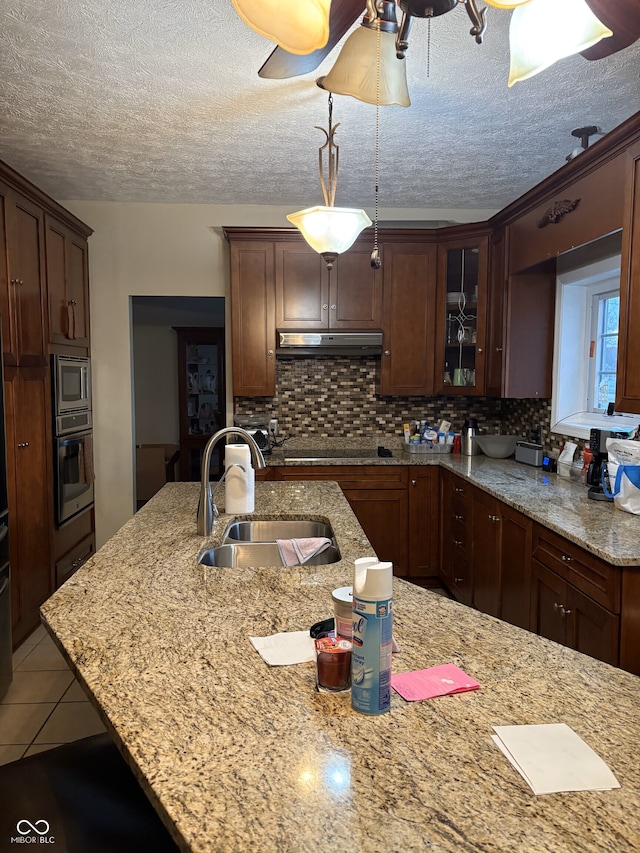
(372, 635)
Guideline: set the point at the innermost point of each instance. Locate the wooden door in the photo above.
(302, 287)
(253, 319)
(29, 458)
(628, 375)
(423, 522)
(591, 629)
(515, 566)
(355, 291)
(548, 604)
(383, 515)
(485, 537)
(67, 284)
(409, 273)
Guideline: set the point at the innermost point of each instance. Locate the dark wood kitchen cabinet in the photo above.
(424, 524)
(575, 596)
(23, 284)
(378, 497)
(253, 318)
(30, 491)
(628, 375)
(67, 284)
(461, 311)
(310, 296)
(456, 567)
(409, 291)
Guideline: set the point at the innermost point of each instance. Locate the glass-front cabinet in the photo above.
(461, 327)
(201, 391)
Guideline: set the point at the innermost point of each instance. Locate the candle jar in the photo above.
(333, 664)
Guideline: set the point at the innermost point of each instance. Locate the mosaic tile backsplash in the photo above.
(336, 397)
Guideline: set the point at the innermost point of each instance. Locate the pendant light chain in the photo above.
(376, 263)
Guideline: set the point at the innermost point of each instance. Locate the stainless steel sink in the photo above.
(269, 531)
(245, 554)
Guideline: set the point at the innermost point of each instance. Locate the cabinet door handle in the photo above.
(494, 518)
(479, 349)
(458, 542)
(459, 517)
(387, 352)
(23, 444)
(498, 349)
(325, 306)
(566, 559)
(458, 580)
(564, 611)
(17, 281)
(269, 352)
(458, 489)
(414, 482)
(333, 307)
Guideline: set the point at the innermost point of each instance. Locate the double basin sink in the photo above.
(254, 543)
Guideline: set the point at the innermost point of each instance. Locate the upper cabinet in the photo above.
(628, 384)
(461, 311)
(22, 280)
(310, 296)
(253, 318)
(409, 271)
(67, 284)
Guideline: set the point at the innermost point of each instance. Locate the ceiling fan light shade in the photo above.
(506, 4)
(354, 72)
(298, 26)
(330, 230)
(544, 31)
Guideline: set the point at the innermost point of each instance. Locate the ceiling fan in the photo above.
(622, 17)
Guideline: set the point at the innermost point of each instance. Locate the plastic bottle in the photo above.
(239, 490)
(372, 636)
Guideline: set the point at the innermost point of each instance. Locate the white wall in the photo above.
(158, 250)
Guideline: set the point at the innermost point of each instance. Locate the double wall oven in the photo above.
(73, 447)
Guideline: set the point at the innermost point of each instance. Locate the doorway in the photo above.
(156, 414)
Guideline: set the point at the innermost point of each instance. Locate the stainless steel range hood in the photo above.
(329, 343)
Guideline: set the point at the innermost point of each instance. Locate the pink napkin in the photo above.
(435, 681)
(296, 552)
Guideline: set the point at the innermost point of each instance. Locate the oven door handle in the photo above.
(4, 529)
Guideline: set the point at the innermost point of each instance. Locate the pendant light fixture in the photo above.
(327, 229)
(298, 26)
(355, 73)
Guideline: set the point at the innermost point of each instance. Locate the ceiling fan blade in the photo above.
(282, 64)
(622, 18)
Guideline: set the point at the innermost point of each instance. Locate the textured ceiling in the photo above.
(159, 101)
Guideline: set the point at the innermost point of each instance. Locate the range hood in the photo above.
(329, 343)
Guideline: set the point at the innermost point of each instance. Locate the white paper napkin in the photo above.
(553, 758)
(285, 648)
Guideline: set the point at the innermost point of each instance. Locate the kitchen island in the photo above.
(238, 756)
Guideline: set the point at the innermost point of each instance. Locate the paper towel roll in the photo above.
(239, 486)
(237, 454)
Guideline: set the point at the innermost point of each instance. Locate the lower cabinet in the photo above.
(424, 524)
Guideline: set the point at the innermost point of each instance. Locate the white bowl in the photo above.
(497, 446)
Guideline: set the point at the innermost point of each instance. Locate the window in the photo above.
(603, 350)
(586, 348)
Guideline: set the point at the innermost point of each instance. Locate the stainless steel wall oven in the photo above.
(73, 438)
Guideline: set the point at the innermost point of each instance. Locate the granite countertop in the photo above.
(238, 756)
(557, 503)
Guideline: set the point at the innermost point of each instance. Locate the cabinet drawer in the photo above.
(461, 580)
(350, 476)
(597, 579)
(74, 558)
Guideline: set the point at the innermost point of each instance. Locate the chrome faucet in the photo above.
(207, 510)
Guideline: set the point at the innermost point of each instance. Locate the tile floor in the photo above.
(45, 706)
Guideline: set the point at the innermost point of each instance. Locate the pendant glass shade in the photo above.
(543, 31)
(354, 72)
(299, 26)
(330, 230)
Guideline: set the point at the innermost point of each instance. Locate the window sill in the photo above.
(580, 424)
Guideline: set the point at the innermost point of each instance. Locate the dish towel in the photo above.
(296, 552)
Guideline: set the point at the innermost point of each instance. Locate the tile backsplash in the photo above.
(336, 396)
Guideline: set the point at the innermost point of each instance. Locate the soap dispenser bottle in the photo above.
(372, 636)
(239, 487)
